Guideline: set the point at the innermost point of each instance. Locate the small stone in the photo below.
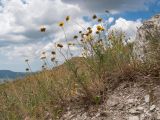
(152, 108)
(104, 114)
(26, 118)
(158, 116)
(98, 114)
(140, 108)
(147, 98)
(134, 111)
(120, 106)
(84, 116)
(113, 102)
(68, 108)
(130, 101)
(133, 118)
(142, 116)
(147, 113)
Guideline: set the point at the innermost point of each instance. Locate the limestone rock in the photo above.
(113, 101)
(152, 108)
(147, 98)
(133, 118)
(134, 111)
(158, 116)
(148, 33)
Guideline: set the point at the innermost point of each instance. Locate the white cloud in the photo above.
(127, 26)
(23, 19)
(21, 22)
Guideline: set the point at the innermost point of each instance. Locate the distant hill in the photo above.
(7, 74)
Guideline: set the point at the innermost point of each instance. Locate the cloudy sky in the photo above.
(20, 21)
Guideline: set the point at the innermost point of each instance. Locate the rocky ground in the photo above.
(129, 101)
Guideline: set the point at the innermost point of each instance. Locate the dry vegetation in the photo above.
(106, 61)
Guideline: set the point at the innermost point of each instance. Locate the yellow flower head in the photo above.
(75, 37)
(61, 24)
(89, 28)
(59, 45)
(67, 18)
(42, 29)
(80, 32)
(100, 20)
(103, 29)
(52, 59)
(53, 52)
(90, 31)
(87, 34)
(26, 60)
(81, 40)
(71, 44)
(100, 40)
(94, 16)
(97, 32)
(43, 53)
(43, 66)
(99, 28)
(82, 35)
(43, 57)
(89, 38)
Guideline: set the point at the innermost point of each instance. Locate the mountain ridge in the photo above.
(8, 74)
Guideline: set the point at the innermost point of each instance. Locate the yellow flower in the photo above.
(97, 32)
(43, 66)
(61, 24)
(89, 28)
(26, 60)
(80, 32)
(102, 29)
(75, 37)
(27, 69)
(67, 18)
(100, 20)
(100, 40)
(94, 17)
(81, 40)
(71, 44)
(89, 38)
(52, 59)
(99, 28)
(53, 52)
(43, 53)
(43, 57)
(87, 34)
(59, 45)
(42, 29)
(90, 31)
(82, 35)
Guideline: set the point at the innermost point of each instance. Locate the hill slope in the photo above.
(7, 74)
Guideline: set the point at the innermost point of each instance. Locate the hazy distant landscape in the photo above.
(10, 75)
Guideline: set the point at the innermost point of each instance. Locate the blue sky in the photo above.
(20, 21)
